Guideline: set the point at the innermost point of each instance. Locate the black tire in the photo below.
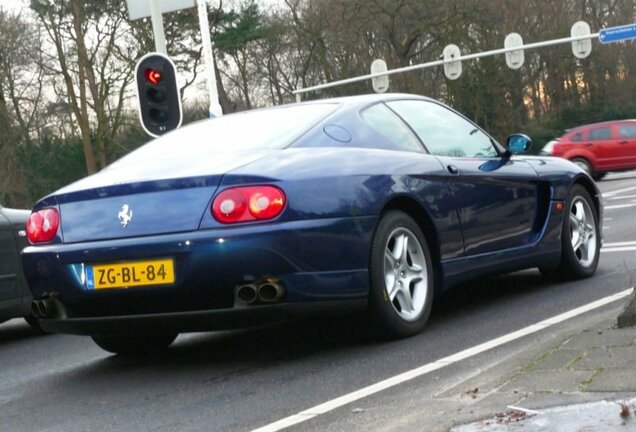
(598, 176)
(583, 164)
(410, 286)
(575, 264)
(134, 345)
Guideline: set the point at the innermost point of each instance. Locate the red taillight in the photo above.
(229, 206)
(246, 204)
(42, 225)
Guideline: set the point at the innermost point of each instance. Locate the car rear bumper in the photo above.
(321, 260)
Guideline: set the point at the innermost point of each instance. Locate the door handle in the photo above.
(588, 145)
(452, 169)
(623, 142)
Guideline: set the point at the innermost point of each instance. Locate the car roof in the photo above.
(347, 102)
(368, 98)
(603, 123)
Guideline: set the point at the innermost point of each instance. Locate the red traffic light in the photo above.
(153, 75)
(158, 94)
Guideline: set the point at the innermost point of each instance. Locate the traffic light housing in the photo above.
(158, 94)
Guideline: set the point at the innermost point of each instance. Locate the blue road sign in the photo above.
(617, 34)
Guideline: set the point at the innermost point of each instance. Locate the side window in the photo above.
(577, 137)
(442, 131)
(627, 131)
(384, 121)
(600, 134)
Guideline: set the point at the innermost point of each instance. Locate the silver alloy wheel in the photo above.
(582, 231)
(405, 274)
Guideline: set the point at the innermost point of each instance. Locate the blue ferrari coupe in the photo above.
(373, 204)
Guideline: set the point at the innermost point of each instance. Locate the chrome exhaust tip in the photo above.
(271, 292)
(35, 310)
(44, 308)
(247, 293)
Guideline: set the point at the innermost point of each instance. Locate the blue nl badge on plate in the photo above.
(90, 279)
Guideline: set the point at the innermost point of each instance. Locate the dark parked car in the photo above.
(372, 203)
(15, 298)
(598, 148)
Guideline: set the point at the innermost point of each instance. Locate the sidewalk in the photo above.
(597, 364)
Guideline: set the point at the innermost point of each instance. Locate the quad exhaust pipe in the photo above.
(46, 308)
(247, 293)
(267, 291)
(271, 292)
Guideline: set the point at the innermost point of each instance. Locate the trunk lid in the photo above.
(140, 198)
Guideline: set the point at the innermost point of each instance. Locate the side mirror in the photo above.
(518, 143)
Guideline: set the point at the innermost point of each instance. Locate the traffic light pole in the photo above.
(157, 26)
(155, 8)
(215, 107)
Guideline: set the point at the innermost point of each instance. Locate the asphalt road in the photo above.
(242, 380)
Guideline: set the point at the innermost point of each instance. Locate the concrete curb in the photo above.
(628, 317)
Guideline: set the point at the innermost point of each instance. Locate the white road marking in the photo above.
(618, 192)
(607, 219)
(619, 206)
(619, 249)
(430, 367)
(621, 197)
(627, 243)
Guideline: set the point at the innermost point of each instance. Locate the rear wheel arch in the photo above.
(412, 208)
(581, 153)
(591, 189)
(580, 236)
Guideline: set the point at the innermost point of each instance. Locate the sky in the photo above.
(16, 5)
(195, 91)
(13, 5)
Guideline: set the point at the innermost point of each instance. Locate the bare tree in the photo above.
(20, 97)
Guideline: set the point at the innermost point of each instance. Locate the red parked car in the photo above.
(598, 148)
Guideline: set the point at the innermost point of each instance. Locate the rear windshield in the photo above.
(259, 129)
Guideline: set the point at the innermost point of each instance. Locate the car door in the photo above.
(9, 265)
(626, 132)
(496, 199)
(605, 148)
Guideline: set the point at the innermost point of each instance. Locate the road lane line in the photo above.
(618, 192)
(627, 243)
(430, 367)
(619, 249)
(622, 197)
(619, 206)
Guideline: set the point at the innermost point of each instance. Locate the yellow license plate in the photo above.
(130, 274)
